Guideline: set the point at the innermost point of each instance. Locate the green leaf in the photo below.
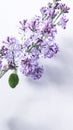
(13, 80)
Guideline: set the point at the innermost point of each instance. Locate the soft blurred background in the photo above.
(46, 104)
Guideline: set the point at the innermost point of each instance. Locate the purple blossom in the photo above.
(28, 66)
(0, 65)
(43, 10)
(52, 14)
(37, 41)
(3, 51)
(33, 46)
(23, 25)
(63, 8)
(10, 41)
(33, 25)
(50, 5)
(34, 53)
(63, 21)
(49, 30)
(37, 73)
(11, 51)
(48, 12)
(50, 50)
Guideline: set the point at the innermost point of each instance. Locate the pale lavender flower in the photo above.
(37, 73)
(10, 41)
(63, 8)
(63, 21)
(11, 51)
(49, 30)
(23, 25)
(33, 25)
(34, 53)
(50, 50)
(51, 14)
(28, 66)
(48, 12)
(3, 51)
(37, 40)
(0, 65)
(50, 5)
(43, 10)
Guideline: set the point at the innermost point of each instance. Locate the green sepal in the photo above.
(13, 80)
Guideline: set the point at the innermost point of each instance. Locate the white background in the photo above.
(46, 104)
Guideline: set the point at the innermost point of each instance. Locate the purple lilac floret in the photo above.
(11, 51)
(50, 50)
(63, 21)
(37, 73)
(0, 65)
(28, 66)
(37, 40)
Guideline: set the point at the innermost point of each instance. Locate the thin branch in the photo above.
(2, 72)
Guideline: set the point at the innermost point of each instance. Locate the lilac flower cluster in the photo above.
(38, 40)
(30, 67)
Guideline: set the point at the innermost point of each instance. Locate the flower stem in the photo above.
(2, 72)
(57, 17)
(30, 48)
